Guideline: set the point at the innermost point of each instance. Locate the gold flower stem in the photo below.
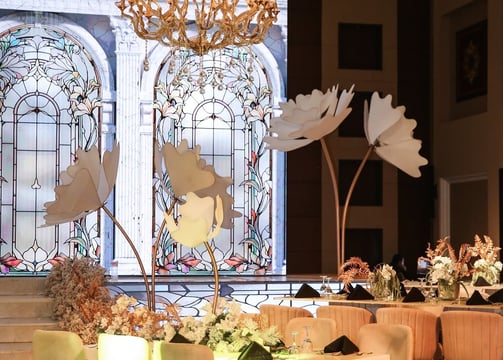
(335, 189)
(348, 196)
(215, 275)
(154, 255)
(137, 255)
(156, 246)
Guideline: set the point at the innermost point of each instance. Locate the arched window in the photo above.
(49, 106)
(222, 102)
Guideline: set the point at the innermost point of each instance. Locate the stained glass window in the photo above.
(222, 102)
(49, 106)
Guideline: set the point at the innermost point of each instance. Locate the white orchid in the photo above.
(195, 225)
(85, 186)
(308, 118)
(391, 135)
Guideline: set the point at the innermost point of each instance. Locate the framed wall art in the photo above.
(471, 61)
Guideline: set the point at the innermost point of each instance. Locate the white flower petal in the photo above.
(286, 145)
(326, 126)
(381, 116)
(308, 118)
(404, 155)
(392, 135)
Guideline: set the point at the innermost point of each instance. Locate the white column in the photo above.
(129, 50)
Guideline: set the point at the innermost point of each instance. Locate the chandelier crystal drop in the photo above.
(200, 25)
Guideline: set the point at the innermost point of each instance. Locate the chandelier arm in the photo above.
(217, 23)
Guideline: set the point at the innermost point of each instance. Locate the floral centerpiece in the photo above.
(446, 269)
(384, 282)
(487, 267)
(129, 317)
(226, 330)
(352, 269)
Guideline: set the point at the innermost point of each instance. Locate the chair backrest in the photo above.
(181, 351)
(57, 345)
(349, 319)
(321, 331)
(472, 335)
(392, 339)
(123, 347)
(425, 328)
(279, 315)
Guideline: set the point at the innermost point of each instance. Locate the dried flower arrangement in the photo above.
(353, 269)
(80, 296)
(487, 266)
(445, 265)
(129, 317)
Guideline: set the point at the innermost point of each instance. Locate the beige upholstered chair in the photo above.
(468, 335)
(425, 328)
(321, 331)
(178, 351)
(123, 347)
(279, 315)
(57, 345)
(392, 339)
(349, 319)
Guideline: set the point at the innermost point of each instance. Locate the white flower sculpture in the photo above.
(85, 186)
(390, 133)
(195, 225)
(206, 208)
(312, 117)
(308, 118)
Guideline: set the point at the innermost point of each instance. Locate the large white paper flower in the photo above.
(186, 171)
(195, 224)
(308, 118)
(85, 187)
(391, 134)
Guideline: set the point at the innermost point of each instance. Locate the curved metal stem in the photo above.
(137, 255)
(215, 275)
(331, 168)
(154, 254)
(348, 196)
(156, 246)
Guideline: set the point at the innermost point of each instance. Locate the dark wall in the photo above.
(303, 228)
(415, 196)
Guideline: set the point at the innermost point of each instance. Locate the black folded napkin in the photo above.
(403, 291)
(481, 282)
(254, 351)
(346, 289)
(497, 297)
(342, 344)
(180, 339)
(477, 299)
(359, 293)
(307, 291)
(414, 295)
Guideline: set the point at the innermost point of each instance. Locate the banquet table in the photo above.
(435, 307)
(92, 354)
(334, 356)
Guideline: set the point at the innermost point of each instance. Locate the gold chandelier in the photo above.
(219, 23)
